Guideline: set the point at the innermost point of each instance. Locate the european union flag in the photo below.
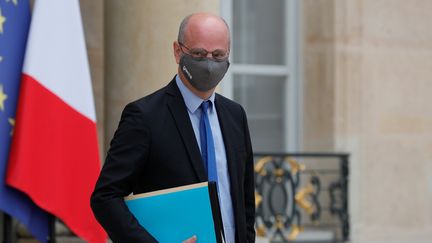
(14, 26)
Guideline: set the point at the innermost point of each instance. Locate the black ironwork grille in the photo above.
(302, 197)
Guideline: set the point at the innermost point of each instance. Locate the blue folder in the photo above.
(176, 214)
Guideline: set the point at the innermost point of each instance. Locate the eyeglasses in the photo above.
(218, 55)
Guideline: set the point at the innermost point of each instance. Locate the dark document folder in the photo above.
(176, 214)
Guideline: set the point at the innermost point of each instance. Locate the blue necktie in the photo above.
(207, 144)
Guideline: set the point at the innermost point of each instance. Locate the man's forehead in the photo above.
(207, 29)
(206, 23)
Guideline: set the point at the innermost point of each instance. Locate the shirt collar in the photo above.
(192, 101)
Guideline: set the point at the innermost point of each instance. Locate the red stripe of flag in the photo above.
(54, 158)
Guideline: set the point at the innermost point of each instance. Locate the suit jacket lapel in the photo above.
(178, 110)
(226, 124)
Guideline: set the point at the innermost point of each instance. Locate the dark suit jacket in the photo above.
(155, 148)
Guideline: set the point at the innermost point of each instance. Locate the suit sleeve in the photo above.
(249, 185)
(125, 159)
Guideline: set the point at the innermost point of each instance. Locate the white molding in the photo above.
(292, 121)
(267, 70)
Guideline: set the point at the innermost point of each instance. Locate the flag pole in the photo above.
(52, 231)
(7, 228)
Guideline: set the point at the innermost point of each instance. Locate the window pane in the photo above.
(259, 32)
(263, 99)
(267, 136)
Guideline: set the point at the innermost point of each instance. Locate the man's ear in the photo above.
(177, 51)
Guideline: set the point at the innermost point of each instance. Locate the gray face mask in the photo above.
(203, 73)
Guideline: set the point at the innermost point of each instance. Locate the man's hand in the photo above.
(191, 240)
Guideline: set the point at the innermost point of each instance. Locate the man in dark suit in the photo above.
(160, 143)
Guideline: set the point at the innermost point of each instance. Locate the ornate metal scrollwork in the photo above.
(279, 197)
(289, 198)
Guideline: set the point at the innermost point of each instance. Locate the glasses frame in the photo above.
(206, 53)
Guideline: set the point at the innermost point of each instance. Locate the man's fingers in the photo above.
(191, 240)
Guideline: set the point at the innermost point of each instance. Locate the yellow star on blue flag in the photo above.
(3, 98)
(2, 21)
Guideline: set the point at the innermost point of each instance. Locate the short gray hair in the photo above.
(182, 29)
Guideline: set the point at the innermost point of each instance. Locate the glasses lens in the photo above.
(198, 52)
(203, 53)
(219, 55)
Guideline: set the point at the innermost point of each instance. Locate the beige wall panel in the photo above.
(398, 22)
(399, 125)
(318, 50)
(381, 54)
(139, 55)
(318, 102)
(93, 22)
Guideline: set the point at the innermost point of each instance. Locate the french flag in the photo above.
(54, 154)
